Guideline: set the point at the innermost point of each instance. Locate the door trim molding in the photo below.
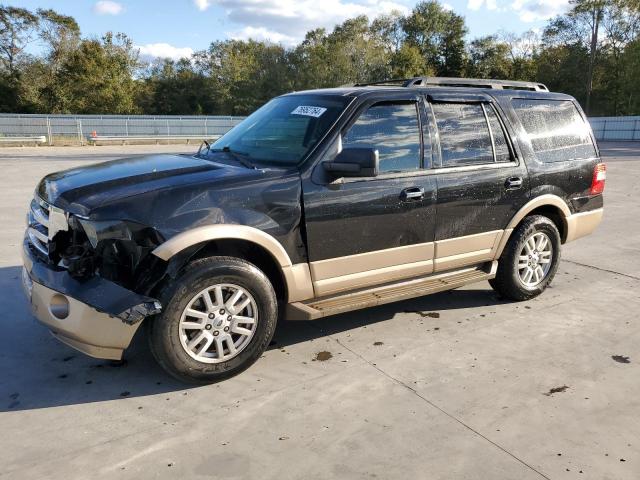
(350, 272)
(467, 250)
(367, 261)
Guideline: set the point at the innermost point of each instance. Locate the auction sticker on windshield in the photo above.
(309, 111)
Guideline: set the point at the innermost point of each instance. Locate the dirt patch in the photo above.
(620, 359)
(424, 314)
(556, 390)
(323, 356)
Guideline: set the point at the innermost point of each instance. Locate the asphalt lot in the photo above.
(459, 385)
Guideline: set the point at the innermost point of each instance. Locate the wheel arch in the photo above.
(291, 282)
(548, 205)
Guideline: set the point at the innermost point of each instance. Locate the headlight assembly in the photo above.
(105, 230)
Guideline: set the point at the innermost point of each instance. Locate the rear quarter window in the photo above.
(556, 129)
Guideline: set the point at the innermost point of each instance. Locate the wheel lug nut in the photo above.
(216, 333)
(212, 316)
(222, 311)
(207, 327)
(226, 329)
(229, 317)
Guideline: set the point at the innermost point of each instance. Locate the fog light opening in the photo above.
(59, 306)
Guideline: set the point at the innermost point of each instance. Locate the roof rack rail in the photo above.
(459, 82)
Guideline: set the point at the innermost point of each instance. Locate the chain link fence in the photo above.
(77, 129)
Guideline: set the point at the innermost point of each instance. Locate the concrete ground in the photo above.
(459, 385)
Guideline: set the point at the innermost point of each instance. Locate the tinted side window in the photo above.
(503, 154)
(464, 134)
(392, 129)
(556, 129)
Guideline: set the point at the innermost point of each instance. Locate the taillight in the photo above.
(599, 177)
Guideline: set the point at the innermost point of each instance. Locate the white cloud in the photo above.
(164, 50)
(535, 10)
(447, 6)
(477, 4)
(107, 7)
(202, 5)
(261, 33)
(289, 20)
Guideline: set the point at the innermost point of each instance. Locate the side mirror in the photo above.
(354, 162)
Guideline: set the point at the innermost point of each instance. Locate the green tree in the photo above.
(245, 74)
(439, 35)
(388, 29)
(489, 58)
(176, 88)
(408, 62)
(98, 77)
(583, 26)
(60, 35)
(18, 28)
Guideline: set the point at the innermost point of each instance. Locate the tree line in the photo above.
(592, 52)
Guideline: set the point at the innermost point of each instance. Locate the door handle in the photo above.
(412, 194)
(513, 183)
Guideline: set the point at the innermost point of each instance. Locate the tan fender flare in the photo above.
(297, 277)
(541, 201)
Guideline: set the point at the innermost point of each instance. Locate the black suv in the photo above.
(320, 202)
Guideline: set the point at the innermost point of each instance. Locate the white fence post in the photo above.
(79, 129)
(49, 137)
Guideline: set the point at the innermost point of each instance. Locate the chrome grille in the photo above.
(44, 221)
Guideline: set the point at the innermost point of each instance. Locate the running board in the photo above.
(391, 292)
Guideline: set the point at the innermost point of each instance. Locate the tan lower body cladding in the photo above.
(352, 272)
(356, 271)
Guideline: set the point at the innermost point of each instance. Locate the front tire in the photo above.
(218, 318)
(529, 261)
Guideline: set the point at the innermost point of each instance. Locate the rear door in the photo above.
(482, 181)
(367, 231)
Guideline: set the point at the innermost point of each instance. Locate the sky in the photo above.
(176, 28)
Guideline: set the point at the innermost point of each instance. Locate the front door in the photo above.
(367, 231)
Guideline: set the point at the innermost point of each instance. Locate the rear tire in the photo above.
(218, 318)
(529, 261)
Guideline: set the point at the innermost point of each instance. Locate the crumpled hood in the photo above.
(83, 189)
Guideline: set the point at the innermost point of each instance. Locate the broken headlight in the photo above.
(105, 230)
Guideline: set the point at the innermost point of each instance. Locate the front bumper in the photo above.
(97, 317)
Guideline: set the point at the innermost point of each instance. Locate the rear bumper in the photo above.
(582, 224)
(96, 317)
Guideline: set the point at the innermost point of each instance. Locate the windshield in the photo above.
(284, 130)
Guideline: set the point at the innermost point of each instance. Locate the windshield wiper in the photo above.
(239, 157)
(204, 143)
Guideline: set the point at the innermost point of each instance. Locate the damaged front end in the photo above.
(103, 264)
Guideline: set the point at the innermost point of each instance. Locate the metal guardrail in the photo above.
(94, 140)
(74, 129)
(27, 139)
(616, 128)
